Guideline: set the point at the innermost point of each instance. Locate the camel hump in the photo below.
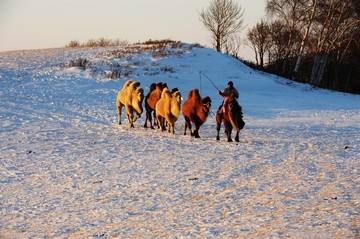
(152, 87)
(128, 83)
(163, 85)
(195, 93)
(194, 96)
(165, 93)
(135, 84)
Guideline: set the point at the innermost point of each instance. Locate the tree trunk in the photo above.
(261, 59)
(321, 69)
(348, 79)
(285, 65)
(218, 45)
(297, 65)
(315, 69)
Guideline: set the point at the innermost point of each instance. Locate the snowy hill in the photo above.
(67, 170)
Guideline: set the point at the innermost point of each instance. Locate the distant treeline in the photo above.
(104, 42)
(101, 42)
(311, 41)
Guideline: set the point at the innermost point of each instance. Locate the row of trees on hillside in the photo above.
(311, 41)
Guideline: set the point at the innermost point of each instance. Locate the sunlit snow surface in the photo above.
(67, 170)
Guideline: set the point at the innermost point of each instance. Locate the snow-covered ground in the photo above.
(67, 170)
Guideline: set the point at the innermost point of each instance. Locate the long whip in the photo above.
(200, 82)
(209, 80)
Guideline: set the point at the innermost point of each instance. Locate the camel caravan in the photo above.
(163, 108)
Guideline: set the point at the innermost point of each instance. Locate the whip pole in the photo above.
(210, 80)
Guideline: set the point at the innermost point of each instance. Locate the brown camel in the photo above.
(233, 117)
(150, 101)
(195, 109)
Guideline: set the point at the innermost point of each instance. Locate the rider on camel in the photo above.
(226, 93)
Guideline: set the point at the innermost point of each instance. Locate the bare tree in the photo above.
(232, 45)
(278, 37)
(335, 24)
(222, 18)
(291, 14)
(316, 41)
(259, 39)
(307, 26)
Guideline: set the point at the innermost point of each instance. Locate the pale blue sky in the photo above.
(32, 24)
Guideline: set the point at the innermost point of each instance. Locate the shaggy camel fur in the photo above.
(195, 109)
(131, 97)
(150, 101)
(233, 117)
(168, 108)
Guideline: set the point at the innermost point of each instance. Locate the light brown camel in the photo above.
(168, 108)
(131, 97)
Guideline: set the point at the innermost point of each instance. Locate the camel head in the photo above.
(138, 98)
(206, 102)
(206, 105)
(177, 96)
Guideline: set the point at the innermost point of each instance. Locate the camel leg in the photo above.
(148, 115)
(169, 128)
(148, 118)
(134, 119)
(145, 123)
(240, 125)
(137, 116)
(228, 129)
(119, 114)
(130, 117)
(229, 137)
(196, 131)
(172, 128)
(160, 122)
(218, 126)
(131, 125)
(155, 121)
(187, 124)
(237, 135)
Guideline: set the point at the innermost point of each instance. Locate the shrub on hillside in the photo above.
(73, 43)
(81, 63)
(101, 42)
